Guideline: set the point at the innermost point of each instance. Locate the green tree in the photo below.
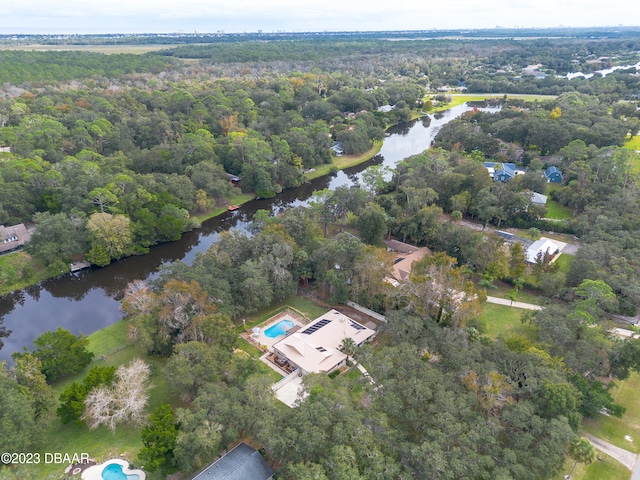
(60, 352)
(372, 224)
(19, 431)
(110, 232)
(194, 364)
(72, 398)
(28, 374)
(581, 450)
(159, 441)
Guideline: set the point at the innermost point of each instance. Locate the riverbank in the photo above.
(12, 264)
(461, 98)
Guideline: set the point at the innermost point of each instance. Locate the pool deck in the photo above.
(262, 339)
(94, 472)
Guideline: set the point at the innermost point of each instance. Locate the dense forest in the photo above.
(115, 159)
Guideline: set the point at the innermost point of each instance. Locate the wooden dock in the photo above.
(76, 267)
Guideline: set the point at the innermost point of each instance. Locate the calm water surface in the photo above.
(91, 300)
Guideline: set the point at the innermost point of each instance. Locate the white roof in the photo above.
(315, 347)
(542, 245)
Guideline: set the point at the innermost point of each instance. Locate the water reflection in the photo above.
(89, 300)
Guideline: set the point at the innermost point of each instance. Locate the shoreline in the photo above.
(337, 164)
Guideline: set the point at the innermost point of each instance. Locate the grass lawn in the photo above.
(603, 468)
(460, 98)
(503, 290)
(11, 266)
(613, 429)
(238, 199)
(344, 161)
(564, 263)
(557, 211)
(502, 321)
(304, 305)
(101, 443)
(634, 144)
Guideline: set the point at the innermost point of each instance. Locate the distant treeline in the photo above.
(18, 67)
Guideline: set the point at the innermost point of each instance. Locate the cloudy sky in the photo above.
(160, 16)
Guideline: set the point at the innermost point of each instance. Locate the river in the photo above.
(90, 300)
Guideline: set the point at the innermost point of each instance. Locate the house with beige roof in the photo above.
(316, 347)
(406, 256)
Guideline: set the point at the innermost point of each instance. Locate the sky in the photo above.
(209, 16)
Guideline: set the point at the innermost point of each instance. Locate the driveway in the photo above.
(509, 303)
(625, 457)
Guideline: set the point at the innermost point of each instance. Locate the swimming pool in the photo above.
(113, 471)
(278, 329)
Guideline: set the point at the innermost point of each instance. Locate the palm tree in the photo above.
(581, 450)
(348, 347)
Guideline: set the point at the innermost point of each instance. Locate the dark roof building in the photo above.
(13, 237)
(241, 463)
(502, 172)
(553, 174)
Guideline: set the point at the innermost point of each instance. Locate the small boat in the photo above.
(231, 208)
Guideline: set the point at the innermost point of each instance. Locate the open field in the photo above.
(107, 49)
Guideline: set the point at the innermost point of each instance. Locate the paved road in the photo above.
(625, 457)
(509, 303)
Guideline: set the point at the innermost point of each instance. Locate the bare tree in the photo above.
(122, 402)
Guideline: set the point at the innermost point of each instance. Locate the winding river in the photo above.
(90, 300)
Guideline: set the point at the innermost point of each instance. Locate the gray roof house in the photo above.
(538, 198)
(240, 463)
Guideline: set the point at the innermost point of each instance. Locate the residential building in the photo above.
(406, 256)
(13, 237)
(316, 347)
(240, 463)
(542, 246)
(502, 172)
(553, 174)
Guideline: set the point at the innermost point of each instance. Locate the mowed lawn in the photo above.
(502, 321)
(613, 429)
(101, 443)
(603, 468)
(557, 211)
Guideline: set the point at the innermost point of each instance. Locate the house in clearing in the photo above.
(13, 237)
(240, 463)
(502, 172)
(540, 247)
(553, 174)
(538, 198)
(406, 256)
(316, 347)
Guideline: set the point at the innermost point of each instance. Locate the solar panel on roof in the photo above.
(316, 326)
(357, 326)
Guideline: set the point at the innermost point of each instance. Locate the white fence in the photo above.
(367, 311)
(277, 386)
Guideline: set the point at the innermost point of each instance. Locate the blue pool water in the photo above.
(278, 329)
(113, 471)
